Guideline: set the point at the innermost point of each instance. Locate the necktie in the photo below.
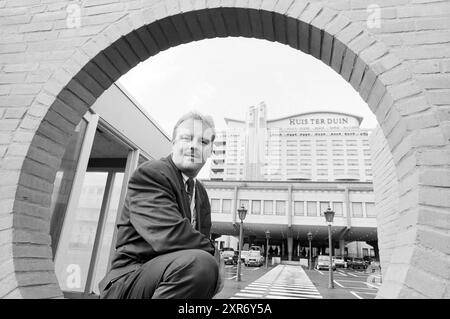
(190, 192)
(190, 188)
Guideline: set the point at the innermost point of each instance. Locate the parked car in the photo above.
(348, 260)
(236, 257)
(228, 255)
(358, 263)
(323, 262)
(246, 253)
(367, 260)
(340, 262)
(254, 258)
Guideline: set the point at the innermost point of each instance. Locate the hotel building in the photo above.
(315, 146)
(287, 172)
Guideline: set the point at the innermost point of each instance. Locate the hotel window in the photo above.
(322, 172)
(305, 153)
(311, 208)
(338, 208)
(338, 172)
(268, 207)
(370, 210)
(368, 172)
(357, 210)
(353, 162)
(215, 205)
(244, 202)
(256, 207)
(322, 162)
(280, 207)
(366, 152)
(305, 164)
(226, 206)
(299, 209)
(323, 207)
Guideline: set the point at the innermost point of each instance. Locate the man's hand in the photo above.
(220, 279)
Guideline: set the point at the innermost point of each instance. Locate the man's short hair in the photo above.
(206, 120)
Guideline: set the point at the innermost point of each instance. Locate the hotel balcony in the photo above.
(218, 162)
(299, 176)
(347, 177)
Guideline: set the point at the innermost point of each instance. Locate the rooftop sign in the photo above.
(316, 121)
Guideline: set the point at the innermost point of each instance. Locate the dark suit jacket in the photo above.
(156, 218)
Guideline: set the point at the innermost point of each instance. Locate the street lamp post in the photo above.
(267, 248)
(242, 213)
(310, 253)
(329, 215)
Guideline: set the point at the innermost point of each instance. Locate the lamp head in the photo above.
(329, 215)
(242, 212)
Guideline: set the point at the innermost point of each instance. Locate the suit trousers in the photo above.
(183, 274)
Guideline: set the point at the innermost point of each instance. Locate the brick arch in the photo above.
(380, 77)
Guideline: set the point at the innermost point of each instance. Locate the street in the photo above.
(296, 282)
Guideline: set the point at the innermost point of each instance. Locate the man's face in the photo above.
(191, 146)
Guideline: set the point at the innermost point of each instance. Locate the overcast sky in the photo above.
(223, 77)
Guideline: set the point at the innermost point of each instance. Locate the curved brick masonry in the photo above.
(57, 57)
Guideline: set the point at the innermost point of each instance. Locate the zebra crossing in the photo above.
(282, 282)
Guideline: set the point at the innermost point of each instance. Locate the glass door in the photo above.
(85, 243)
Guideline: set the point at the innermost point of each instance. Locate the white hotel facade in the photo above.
(319, 146)
(286, 172)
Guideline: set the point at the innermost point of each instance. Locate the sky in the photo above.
(222, 77)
